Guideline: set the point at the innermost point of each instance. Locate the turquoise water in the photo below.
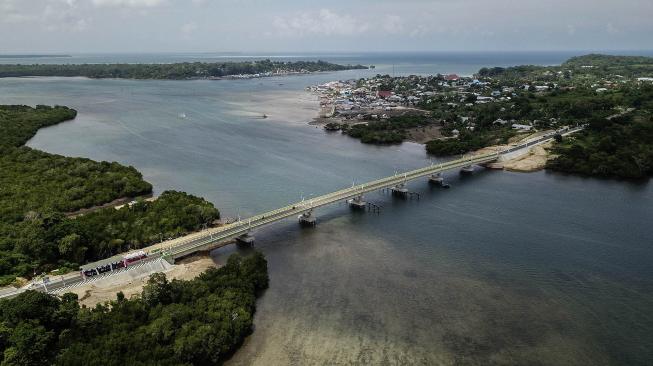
(503, 268)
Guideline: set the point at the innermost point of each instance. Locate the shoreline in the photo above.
(418, 135)
(208, 78)
(98, 292)
(531, 160)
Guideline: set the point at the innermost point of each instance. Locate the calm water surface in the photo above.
(503, 268)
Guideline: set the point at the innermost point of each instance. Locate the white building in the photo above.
(517, 126)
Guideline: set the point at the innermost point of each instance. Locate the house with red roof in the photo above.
(384, 94)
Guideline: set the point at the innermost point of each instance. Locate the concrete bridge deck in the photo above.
(222, 236)
(215, 238)
(212, 237)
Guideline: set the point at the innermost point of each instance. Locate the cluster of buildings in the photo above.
(357, 99)
(377, 95)
(384, 96)
(279, 72)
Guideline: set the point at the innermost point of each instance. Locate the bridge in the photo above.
(215, 238)
(218, 237)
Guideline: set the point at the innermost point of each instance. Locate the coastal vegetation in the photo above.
(19, 123)
(196, 322)
(611, 95)
(388, 131)
(174, 71)
(602, 92)
(577, 70)
(37, 189)
(621, 147)
(468, 141)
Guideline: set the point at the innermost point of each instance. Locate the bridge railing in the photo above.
(241, 226)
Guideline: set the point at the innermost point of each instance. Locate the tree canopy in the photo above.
(186, 70)
(197, 322)
(37, 189)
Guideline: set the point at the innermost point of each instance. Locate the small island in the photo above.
(175, 71)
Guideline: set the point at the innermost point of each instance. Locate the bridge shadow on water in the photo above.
(390, 206)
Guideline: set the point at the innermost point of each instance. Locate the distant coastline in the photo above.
(175, 71)
(33, 56)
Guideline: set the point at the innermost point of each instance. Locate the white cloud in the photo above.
(51, 15)
(323, 22)
(158, 25)
(327, 22)
(188, 28)
(571, 30)
(129, 3)
(10, 13)
(63, 15)
(393, 24)
(611, 29)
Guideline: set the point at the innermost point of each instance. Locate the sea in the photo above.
(503, 268)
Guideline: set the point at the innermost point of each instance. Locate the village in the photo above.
(351, 102)
(450, 98)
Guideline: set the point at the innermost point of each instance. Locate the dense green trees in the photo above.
(184, 70)
(574, 71)
(605, 65)
(391, 131)
(615, 144)
(468, 141)
(37, 189)
(621, 147)
(197, 322)
(172, 323)
(19, 123)
(33, 180)
(49, 240)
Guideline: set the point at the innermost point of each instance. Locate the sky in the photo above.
(98, 26)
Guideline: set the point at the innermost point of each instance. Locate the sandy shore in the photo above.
(105, 290)
(535, 159)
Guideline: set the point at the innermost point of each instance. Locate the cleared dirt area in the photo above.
(422, 135)
(105, 290)
(533, 161)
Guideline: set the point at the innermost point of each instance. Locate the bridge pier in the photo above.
(246, 239)
(438, 180)
(373, 207)
(399, 190)
(395, 184)
(357, 202)
(469, 169)
(307, 219)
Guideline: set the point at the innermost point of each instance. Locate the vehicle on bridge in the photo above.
(127, 260)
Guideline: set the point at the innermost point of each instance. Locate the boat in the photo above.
(182, 115)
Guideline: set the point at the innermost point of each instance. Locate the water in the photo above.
(503, 268)
(399, 63)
